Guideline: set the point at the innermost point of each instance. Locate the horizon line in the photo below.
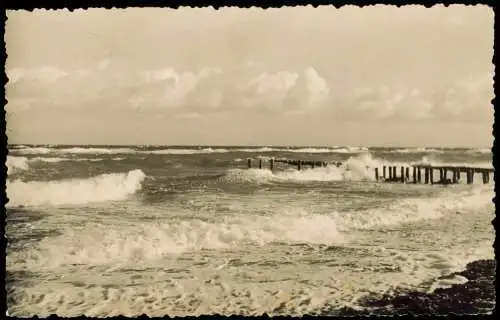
(248, 146)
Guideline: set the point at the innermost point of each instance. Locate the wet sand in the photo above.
(476, 296)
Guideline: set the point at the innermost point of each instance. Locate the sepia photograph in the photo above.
(284, 161)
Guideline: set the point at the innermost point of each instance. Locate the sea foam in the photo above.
(136, 243)
(78, 150)
(150, 241)
(16, 164)
(357, 168)
(105, 187)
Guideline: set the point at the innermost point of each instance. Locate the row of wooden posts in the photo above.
(298, 163)
(390, 173)
(404, 176)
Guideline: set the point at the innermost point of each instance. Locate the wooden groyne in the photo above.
(416, 174)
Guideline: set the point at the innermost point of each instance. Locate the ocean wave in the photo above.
(153, 241)
(263, 149)
(99, 245)
(185, 151)
(307, 150)
(409, 210)
(35, 150)
(178, 151)
(415, 150)
(437, 150)
(73, 150)
(436, 162)
(250, 150)
(201, 150)
(357, 168)
(78, 150)
(49, 159)
(102, 188)
(480, 151)
(16, 164)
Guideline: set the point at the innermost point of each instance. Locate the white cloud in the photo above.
(249, 88)
(15, 74)
(43, 74)
(466, 100)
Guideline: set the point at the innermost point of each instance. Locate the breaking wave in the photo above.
(295, 225)
(205, 150)
(179, 151)
(34, 150)
(411, 210)
(152, 241)
(105, 187)
(357, 168)
(16, 164)
(186, 151)
(49, 159)
(481, 151)
(77, 150)
(254, 150)
(307, 150)
(330, 173)
(436, 162)
(415, 150)
(74, 150)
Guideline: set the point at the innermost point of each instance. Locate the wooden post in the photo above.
(445, 173)
(390, 174)
(427, 175)
(383, 171)
(470, 176)
(376, 174)
(260, 163)
(419, 175)
(249, 163)
(486, 176)
(431, 175)
(299, 165)
(414, 174)
(271, 164)
(402, 178)
(394, 172)
(312, 164)
(441, 177)
(455, 178)
(407, 175)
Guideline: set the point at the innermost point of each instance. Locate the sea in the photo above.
(175, 230)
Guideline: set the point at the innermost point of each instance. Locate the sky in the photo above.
(371, 76)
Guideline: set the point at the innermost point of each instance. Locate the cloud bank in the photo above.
(248, 89)
(295, 75)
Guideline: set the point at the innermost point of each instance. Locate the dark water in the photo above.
(188, 231)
